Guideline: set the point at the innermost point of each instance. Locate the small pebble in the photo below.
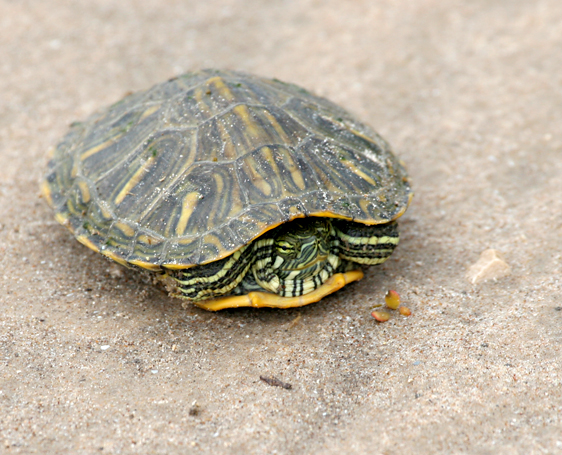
(381, 316)
(490, 266)
(392, 300)
(404, 311)
(104, 347)
(116, 271)
(195, 409)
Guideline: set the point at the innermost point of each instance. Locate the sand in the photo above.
(95, 359)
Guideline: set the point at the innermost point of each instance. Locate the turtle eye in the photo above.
(285, 248)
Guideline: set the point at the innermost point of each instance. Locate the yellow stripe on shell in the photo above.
(134, 180)
(199, 95)
(221, 87)
(84, 191)
(267, 153)
(228, 148)
(364, 206)
(62, 218)
(212, 239)
(46, 192)
(361, 135)
(277, 127)
(359, 172)
(151, 110)
(188, 242)
(250, 125)
(256, 178)
(125, 229)
(88, 153)
(105, 213)
(296, 174)
(266, 299)
(187, 208)
(74, 170)
(148, 240)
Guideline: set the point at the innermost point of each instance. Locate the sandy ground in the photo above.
(94, 359)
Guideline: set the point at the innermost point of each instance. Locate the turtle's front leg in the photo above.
(218, 278)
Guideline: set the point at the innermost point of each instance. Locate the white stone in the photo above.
(490, 266)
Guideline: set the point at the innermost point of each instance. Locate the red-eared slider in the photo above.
(242, 191)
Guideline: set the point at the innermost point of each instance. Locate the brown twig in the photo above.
(276, 382)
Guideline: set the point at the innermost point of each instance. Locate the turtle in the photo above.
(234, 189)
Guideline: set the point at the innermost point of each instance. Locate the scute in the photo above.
(189, 171)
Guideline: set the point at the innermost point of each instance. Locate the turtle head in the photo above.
(306, 243)
(299, 259)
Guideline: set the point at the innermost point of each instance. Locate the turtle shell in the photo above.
(189, 171)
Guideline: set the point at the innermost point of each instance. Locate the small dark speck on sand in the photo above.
(276, 382)
(194, 410)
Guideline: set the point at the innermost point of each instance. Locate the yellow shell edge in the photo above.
(114, 257)
(146, 265)
(46, 192)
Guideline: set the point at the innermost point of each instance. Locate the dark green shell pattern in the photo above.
(189, 171)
